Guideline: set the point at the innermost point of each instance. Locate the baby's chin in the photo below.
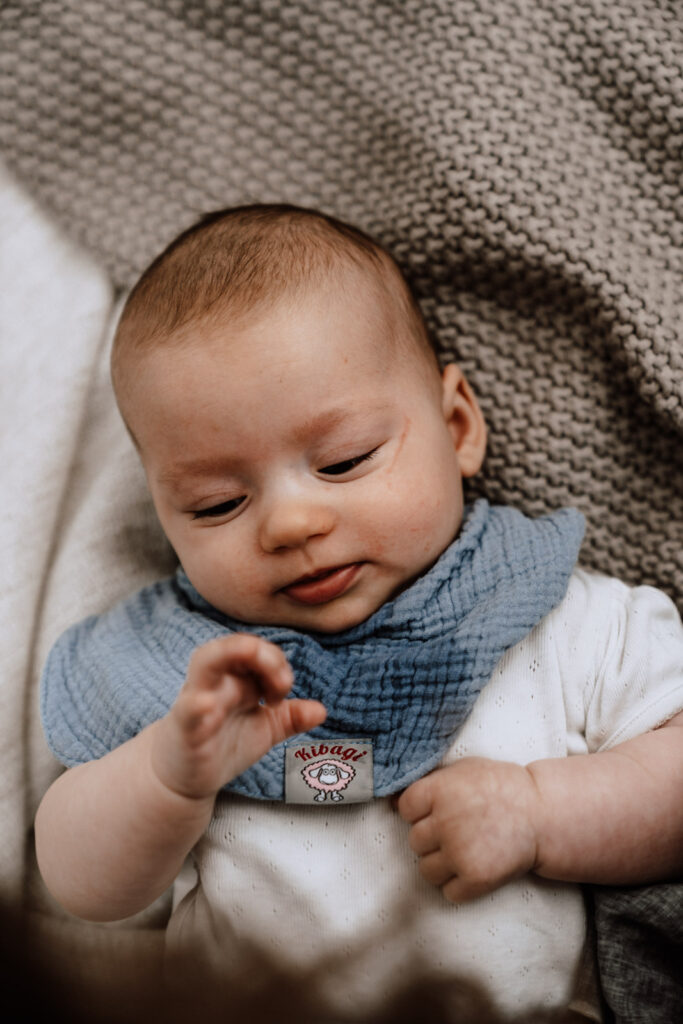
(332, 617)
(328, 620)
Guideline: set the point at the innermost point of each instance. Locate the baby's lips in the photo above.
(394, 799)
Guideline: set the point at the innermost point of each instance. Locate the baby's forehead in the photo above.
(351, 292)
(374, 305)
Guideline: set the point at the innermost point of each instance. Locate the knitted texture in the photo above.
(406, 678)
(640, 946)
(521, 158)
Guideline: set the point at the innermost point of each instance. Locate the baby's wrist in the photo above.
(164, 764)
(553, 814)
(536, 813)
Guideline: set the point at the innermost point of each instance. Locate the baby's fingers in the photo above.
(256, 662)
(438, 869)
(462, 890)
(416, 802)
(291, 717)
(424, 837)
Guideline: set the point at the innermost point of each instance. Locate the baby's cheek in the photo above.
(378, 524)
(220, 579)
(433, 520)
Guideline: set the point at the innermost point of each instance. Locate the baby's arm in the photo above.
(112, 834)
(614, 817)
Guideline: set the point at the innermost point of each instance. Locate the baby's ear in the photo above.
(464, 419)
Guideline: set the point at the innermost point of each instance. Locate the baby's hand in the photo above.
(474, 825)
(230, 711)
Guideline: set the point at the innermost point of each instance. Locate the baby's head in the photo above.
(304, 452)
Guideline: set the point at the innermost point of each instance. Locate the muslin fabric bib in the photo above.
(405, 678)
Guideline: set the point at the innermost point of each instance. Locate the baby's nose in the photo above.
(291, 523)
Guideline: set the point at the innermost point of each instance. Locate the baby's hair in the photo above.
(243, 258)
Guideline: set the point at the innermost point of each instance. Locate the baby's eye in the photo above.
(339, 468)
(224, 509)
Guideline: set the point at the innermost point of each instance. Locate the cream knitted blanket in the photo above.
(522, 159)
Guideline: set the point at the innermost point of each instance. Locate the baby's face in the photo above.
(304, 468)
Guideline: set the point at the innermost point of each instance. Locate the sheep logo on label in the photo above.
(328, 776)
(328, 772)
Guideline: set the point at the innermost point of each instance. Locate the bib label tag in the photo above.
(328, 772)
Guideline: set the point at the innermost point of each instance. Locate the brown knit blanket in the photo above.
(522, 158)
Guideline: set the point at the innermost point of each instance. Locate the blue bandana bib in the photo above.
(405, 679)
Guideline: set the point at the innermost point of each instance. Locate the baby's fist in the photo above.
(473, 825)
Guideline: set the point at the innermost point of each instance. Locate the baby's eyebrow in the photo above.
(321, 423)
(357, 417)
(180, 471)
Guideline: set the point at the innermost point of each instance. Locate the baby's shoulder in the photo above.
(601, 603)
(602, 624)
(619, 652)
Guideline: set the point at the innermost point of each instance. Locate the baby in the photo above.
(437, 662)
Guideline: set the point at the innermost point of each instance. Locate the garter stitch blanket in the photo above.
(521, 158)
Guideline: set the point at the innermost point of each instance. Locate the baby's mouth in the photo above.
(323, 585)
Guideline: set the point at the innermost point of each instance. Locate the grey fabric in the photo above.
(640, 952)
(522, 160)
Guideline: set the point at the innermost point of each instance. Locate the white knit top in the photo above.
(337, 889)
